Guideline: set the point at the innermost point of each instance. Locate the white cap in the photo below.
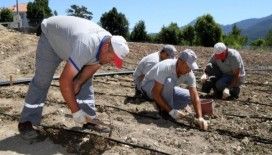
(120, 48)
(170, 50)
(219, 48)
(190, 57)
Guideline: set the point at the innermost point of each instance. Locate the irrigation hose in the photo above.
(219, 131)
(85, 132)
(27, 80)
(128, 72)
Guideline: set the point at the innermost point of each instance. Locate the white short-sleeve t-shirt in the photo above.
(163, 70)
(74, 39)
(145, 65)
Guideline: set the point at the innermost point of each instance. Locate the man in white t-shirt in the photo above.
(225, 72)
(85, 47)
(147, 62)
(161, 83)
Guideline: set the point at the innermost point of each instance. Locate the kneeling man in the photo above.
(161, 84)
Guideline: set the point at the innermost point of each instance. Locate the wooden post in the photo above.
(10, 80)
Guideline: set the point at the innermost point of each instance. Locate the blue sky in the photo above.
(156, 13)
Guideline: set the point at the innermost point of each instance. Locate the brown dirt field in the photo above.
(243, 126)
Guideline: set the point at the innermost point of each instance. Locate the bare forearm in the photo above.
(195, 101)
(197, 107)
(86, 73)
(67, 90)
(162, 103)
(235, 80)
(156, 93)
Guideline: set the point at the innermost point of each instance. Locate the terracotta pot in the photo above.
(207, 106)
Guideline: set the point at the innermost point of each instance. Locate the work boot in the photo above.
(207, 86)
(234, 92)
(138, 93)
(27, 131)
(218, 94)
(165, 115)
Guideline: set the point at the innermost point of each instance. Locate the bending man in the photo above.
(85, 47)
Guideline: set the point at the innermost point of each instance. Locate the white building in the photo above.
(20, 20)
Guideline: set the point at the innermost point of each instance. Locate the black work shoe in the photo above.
(137, 93)
(165, 115)
(96, 127)
(218, 94)
(27, 131)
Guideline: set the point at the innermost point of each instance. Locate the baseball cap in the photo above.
(170, 50)
(219, 48)
(120, 48)
(190, 57)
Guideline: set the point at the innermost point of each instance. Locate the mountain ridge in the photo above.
(252, 28)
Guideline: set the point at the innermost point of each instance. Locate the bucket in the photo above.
(207, 106)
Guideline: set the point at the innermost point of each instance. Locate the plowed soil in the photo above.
(243, 126)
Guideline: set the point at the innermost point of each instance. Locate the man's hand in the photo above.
(86, 73)
(202, 123)
(177, 114)
(82, 117)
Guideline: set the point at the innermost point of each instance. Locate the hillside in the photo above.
(252, 28)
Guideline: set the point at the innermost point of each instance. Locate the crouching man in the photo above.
(224, 73)
(161, 84)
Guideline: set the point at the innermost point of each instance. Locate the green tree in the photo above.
(37, 11)
(258, 43)
(235, 39)
(170, 35)
(114, 22)
(153, 37)
(268, 38)
(235, 30)
(79, 11)
(139, 33)
(6, 15)
(55, 13)
(207, 31)
(188, 35)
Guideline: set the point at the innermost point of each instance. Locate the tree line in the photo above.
(205, 32)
